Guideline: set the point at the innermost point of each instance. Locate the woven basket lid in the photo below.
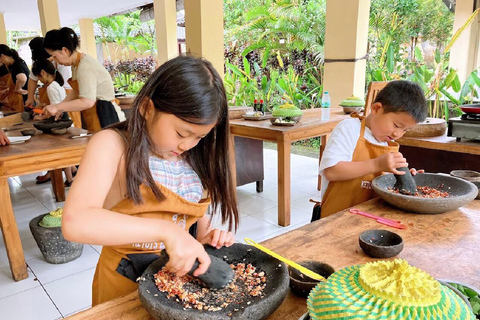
(385, 290)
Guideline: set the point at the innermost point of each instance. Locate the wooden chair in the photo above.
(373, 89)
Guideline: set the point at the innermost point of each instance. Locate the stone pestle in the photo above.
(405, 182)
(218, 275)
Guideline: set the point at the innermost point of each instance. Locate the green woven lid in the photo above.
(385, 290)
(352, 101)
(52, 220)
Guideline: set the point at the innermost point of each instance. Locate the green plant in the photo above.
(472, 296)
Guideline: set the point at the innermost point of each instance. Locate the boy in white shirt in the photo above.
(359, 149)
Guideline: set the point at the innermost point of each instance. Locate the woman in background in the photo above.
(93, 92)
(18, 76)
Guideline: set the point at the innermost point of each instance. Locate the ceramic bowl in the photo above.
(28, 132)
(348, 110)
(379, 243)
(460, 192)
(469, 175)
(301, 284)
(59, 130)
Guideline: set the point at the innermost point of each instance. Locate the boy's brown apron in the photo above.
(344, 194)
(107, 282)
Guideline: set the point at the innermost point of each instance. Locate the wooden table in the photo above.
(42, 152)
(310, 126)
(444, 245)
(443, 143)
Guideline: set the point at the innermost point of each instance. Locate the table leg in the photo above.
(57, 184)
(323, 144)
(11, 236)
(283, 183)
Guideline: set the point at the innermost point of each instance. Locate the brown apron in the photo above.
(344, 194)
(89, 116)
(14, 99)
(107, 282)
(74, 115)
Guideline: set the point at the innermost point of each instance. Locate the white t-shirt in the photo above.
(55, 93)
(66, 73)
(341, 144)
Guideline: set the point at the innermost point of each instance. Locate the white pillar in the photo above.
(3, 30)
(87, 37)
(166, 29)
(204, 30)
(345, 38)
(49, 17)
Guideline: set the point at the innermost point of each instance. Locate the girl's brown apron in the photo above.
(344, 194)
(74, 115)
(15, 99)
(107, 282)
(89, 116)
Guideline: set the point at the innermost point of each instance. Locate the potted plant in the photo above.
(47, 232)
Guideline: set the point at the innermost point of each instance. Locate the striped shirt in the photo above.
(177, 176)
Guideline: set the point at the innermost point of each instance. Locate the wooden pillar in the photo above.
(49, 17)
(3, 30)
(346, 38)
(464, 51)
(87, 37)
(204, 30)
(166, 29)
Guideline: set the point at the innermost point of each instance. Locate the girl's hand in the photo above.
(390, 162)
(183, 250)
(3, 139)
(218, 238)
(21, 91)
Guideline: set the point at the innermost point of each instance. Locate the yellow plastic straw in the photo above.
(292, 264)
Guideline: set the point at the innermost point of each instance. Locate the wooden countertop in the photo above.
(442, 143)
(444, 245)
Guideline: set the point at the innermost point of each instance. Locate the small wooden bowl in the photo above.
(28, 132)
(379, 243)
(301, 284)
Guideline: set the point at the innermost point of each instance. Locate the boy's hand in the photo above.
(183, 250)
(390, 162)
(414, 171)
(218, 238)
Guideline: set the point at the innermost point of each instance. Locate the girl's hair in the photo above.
(49, 68)
(38, 51)
(192, 90)
(6, 50)
(57, 39)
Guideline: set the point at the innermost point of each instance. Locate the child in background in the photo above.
(359, 149)
(142, 183)
(52, 92)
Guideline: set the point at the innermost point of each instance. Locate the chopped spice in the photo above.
(426, 192)
(248, 283)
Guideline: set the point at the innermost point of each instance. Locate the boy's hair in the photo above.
(57, 39)
(404, 96)
(192, 90)
(38, 51)
(49, 68)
